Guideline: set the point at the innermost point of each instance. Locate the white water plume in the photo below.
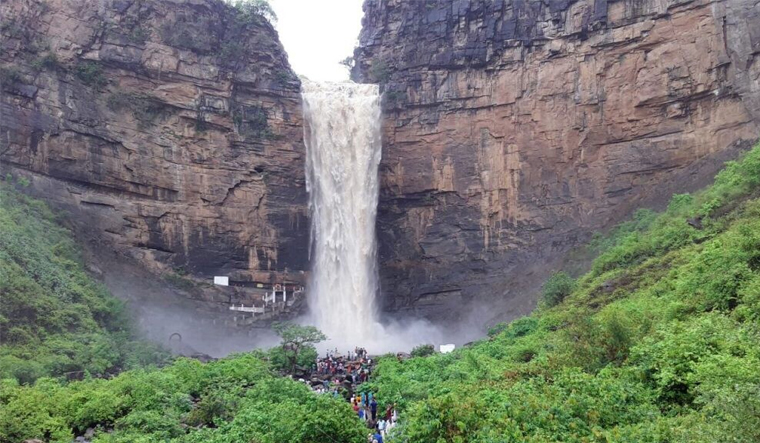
(342, 131)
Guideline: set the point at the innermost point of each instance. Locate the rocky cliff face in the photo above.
(513, 129)
(171, 129)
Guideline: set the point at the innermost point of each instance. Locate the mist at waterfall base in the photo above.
(342, 131)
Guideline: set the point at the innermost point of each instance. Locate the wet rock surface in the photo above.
(170, 130)
(513, 130)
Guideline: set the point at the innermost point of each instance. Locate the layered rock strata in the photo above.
(170, 129)
(514, 129)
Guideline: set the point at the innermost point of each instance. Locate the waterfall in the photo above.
(343, 145)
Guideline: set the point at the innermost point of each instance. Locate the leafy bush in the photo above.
(235, 399)
(251, 9)
(423, 351)
(559, 286)
(144, 108)
(297, 346)
(48, 61)
(379, 72)
(139, 35)
(91, 74)
(252, 121)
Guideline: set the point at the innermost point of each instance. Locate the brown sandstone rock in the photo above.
(170, 129)
(515, 129)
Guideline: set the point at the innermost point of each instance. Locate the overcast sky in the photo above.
(318, 34)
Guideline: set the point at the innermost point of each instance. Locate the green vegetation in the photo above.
(233, 400)
(559, 286)
(297, 346)
(193, 32)
(658, 342)
(179, 281)
(202, 34)
(9, 75)
(144, 108)
(423, 351)
(253, 122)
(91, 74)
(138, 35)
(250, 10)
(379, 72)
(54, 319)
(348, 62)
(49, 61)
(235, 44)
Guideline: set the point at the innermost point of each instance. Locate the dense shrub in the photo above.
(9, 75)
(236, 399)
(559, 286)
(54, 319)
(91, 74)
(144, 108)
(423, 351)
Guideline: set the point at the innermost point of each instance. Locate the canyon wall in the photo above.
(514, 129)
(170, 130)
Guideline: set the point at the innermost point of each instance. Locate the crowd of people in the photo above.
(342, 374)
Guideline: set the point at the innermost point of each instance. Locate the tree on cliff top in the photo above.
(297, 346)
(255, 7)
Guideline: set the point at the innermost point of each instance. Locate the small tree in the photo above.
(250, 8)
(297, 340)
(559, 286)
(348, 62)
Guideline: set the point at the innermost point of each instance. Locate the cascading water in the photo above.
(343, 144)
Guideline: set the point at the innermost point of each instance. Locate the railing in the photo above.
(252, 309)
(277, 298)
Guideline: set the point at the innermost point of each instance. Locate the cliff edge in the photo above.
(514, 129)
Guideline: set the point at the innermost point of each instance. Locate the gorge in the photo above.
(521, 221)
(172, 132)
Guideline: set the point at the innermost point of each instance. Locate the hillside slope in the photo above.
(658, 342)
(55, 320)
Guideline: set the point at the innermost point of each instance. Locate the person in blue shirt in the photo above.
(373, 408)
(378, 437)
